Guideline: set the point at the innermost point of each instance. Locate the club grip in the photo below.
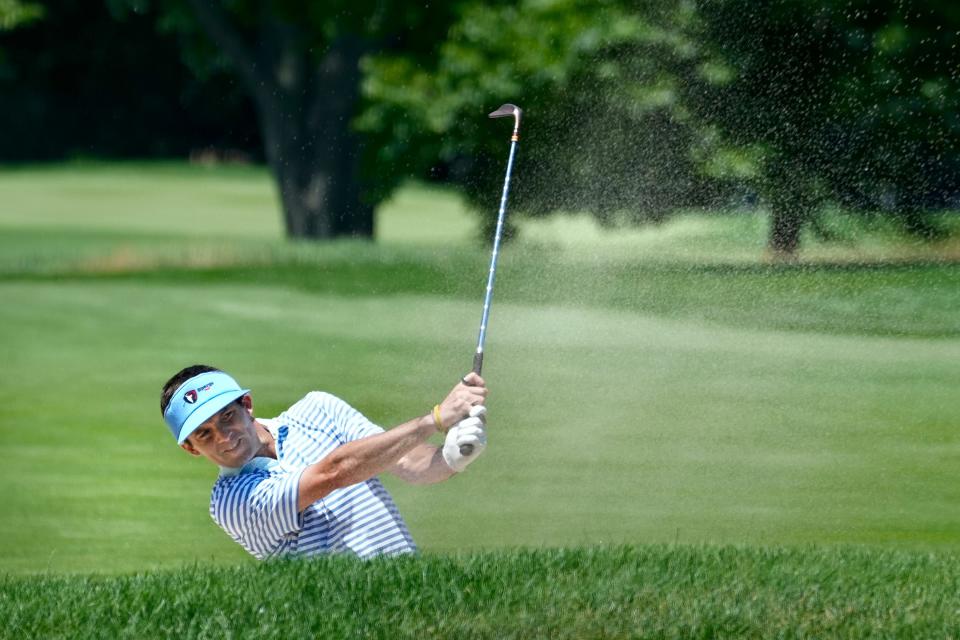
(467, 449)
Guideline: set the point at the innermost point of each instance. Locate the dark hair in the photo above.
(178, 379)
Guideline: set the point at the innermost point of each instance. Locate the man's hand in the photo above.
(470, 392)
(469, 431)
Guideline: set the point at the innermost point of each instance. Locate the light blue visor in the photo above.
(199, 399)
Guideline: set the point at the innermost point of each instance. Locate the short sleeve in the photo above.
(258, 509)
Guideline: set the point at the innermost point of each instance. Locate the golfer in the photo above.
(306, 481)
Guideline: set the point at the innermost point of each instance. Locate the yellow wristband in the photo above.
(436, 418)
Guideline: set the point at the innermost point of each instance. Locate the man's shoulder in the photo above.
(326, 418)
(232, 483)
(313, 405)
(231, 493)
(318, 398)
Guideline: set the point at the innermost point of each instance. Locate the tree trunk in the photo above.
(312, 152)
(305, 109)
(792, 204)
(785, 227)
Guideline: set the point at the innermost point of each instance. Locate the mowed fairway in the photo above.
(633, 402)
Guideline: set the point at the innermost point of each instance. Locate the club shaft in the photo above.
(505, 110)
(488, 297)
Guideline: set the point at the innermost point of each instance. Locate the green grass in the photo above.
(609, 592)
(662, 385)
(149, 198)
(608, 426)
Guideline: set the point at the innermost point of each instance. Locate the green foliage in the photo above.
(634, 109)
(850, 102)
(605, 129)
(610, 592)
(309, 28)
(91, 102)
(16, 12)
(637, 109)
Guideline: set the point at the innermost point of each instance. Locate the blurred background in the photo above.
(727, 310)
(638, 109)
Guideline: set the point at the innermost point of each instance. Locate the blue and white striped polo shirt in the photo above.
(257, 504)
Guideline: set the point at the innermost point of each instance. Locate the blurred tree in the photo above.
(85, 82)
(15, 12)
(606, 131)
(851, 101)
(300, 63)
(636, 107)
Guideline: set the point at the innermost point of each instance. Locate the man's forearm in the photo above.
(362, 459)
(423, 465)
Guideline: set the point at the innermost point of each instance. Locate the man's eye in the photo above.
(227, 416)
(202, 435)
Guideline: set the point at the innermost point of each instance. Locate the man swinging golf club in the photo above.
(305, 482)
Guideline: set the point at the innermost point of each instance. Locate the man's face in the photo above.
(229, 438)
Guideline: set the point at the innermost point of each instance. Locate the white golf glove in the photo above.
(469, 431)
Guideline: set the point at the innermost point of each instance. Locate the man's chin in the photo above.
(236, 459)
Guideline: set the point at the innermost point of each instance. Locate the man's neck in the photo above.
(268, 448)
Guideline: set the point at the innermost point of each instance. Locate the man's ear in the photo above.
(189, 448)
(247, 401)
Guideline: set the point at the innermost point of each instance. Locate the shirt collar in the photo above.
(260, 463)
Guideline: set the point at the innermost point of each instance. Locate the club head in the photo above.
(507, 110)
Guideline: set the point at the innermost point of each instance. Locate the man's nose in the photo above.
(221, 434)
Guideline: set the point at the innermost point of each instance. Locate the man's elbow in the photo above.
(321, 479)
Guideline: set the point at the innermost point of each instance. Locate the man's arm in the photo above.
(427, 464)
(422, 465)
(362, 459)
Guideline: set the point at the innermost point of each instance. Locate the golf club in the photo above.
(504, 111)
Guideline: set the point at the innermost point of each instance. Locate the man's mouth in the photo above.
(234, 447)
